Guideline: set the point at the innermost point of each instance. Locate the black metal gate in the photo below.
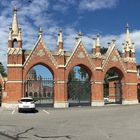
(138, 92)
(116, 98)
(79, 93)
(118, 92)
(41, 90)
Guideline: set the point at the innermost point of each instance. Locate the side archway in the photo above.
(113, 82)
(39, 84)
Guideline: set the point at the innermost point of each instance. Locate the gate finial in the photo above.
(40, 32)
(15, 28)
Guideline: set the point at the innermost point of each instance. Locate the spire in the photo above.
(15, 28)
(113, 41)
(98, 41)
(19, 35)
(40, 32)
(123, 48)
(80, 35)
(133, 47)
(94, 42)
(60, 40)
(127, 38)
(128, 48)
(109, 44)
(10, 34)
(94, 45)
(15, 34)
(97, 46)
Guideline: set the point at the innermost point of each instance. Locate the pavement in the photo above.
(77, 123)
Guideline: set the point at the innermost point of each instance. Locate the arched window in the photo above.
(14, 43)
(130, 53)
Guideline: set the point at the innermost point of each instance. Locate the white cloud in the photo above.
(63, 5)
(93, 5)
(60, 8)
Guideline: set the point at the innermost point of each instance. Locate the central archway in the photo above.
(40, 85)
(79, 87)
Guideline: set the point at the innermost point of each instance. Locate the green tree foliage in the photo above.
(103, 50)
(72, 75)
(78, 85)
(110, 73)
(2, 70)
(83, 73)
(3, 73)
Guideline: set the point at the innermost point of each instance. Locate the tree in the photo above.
(2, 70)
(83, 73)
(72, 75)
(78, 85)
(3, 73)
(103, 50)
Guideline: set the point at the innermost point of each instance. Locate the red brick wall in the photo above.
(96, 68)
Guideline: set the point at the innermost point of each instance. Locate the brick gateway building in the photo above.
(60, 63)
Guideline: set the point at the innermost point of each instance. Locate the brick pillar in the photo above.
(60, 90)
(14, 85)
(97, 94)
(130, 88)
(130, 93)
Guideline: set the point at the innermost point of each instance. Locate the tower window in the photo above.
(14, 43)
(130, 53)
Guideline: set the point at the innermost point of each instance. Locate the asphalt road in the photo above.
(81, 123)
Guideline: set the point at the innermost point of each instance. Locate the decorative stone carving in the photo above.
(98, 55)
(114, 59)
(81, 55)
(129, 59)
(40, 53)
(60, 52)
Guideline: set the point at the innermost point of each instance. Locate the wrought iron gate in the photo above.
(79, 93)
(41, 90)
(116, 98)
(118, 92)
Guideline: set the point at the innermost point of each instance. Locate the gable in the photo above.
(80, 56)
(39, 53)
(113, 59)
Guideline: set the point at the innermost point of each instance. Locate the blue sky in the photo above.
(107, 17)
